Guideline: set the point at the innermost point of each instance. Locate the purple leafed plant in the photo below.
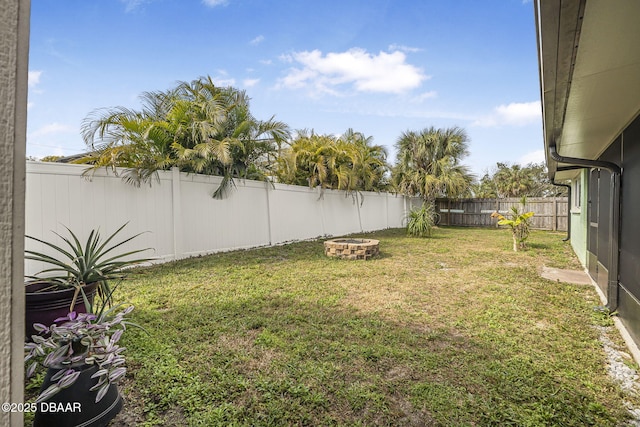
(80, 339)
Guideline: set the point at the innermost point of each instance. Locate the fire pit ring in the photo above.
(352, 248)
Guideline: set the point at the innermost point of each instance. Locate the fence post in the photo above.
(386, 205)
(555, 214)
(358, 208)
(404, 218)
(176, 204)
(267, 184)
(321, 201)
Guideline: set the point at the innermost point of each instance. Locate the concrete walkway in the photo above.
(566, 276)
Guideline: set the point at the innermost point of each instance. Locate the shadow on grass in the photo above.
(380, 256)
(535, 245)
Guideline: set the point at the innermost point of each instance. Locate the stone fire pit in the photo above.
(352, 248)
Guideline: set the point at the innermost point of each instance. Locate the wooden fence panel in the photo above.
(550, 212)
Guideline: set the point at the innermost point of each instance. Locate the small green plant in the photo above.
(78, 265)
(602, 316)
(519, 223)
(420, 222)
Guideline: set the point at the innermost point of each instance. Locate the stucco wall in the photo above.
(14, 41)
(579, 219)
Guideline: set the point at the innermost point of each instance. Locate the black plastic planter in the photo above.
(46, 306)
(75, 406)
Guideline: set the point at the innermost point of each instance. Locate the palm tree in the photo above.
(366, 167)
(350, 162)
(486, 188)
(514, 180)
(197, 126)
(119, 137)
(428, 163)
(217, 135)
(309, 160)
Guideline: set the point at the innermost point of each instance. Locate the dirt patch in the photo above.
(132, 413)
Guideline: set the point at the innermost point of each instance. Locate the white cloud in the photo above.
(222, 82)
(131, 5)
(403, 48)
(51, 129)
(214, 3)
(34, 78)
(520, 113)
(250, 82)
(426, 95)
(257, 40)
(33, 82)
(223, 79)
(385, 72)
(266, 61)
(514, 114)
(532, 157)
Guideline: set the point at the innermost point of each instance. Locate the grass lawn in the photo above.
(452, 330)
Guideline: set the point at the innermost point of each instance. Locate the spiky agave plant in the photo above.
(420, 222)
(95, 262)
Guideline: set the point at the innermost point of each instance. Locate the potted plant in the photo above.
(84, 362)
(77, 272)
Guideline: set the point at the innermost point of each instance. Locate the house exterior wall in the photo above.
(14, 54)
(579, 216)
(593, 222)
(629, 274)
(590, 90)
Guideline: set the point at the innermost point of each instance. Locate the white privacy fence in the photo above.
(179, 218)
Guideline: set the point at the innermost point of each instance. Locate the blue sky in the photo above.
(381, 67)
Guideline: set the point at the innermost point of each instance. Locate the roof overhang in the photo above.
(589, 59)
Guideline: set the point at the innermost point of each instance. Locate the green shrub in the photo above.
(420, 222)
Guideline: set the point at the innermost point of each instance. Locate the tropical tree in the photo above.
(350, 162)
(365, 167)
(519, 222)
(309, 159)
(513, 181)
(128, 139)
(516, 181)
(50, 158)
(543, 187)
(196, 126)
(428, 163)
(485, 188)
